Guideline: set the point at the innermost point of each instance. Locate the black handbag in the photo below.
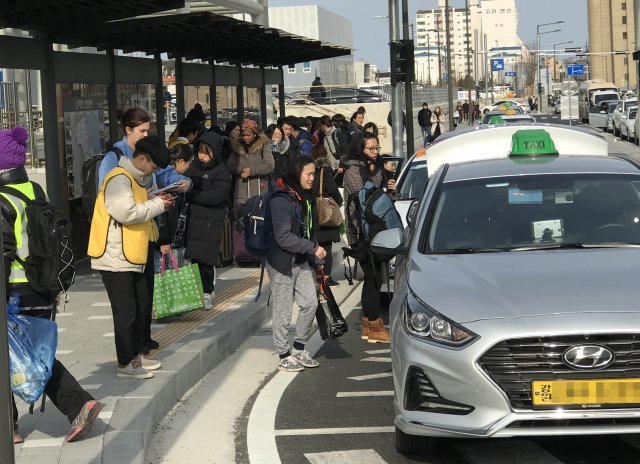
(330, 321)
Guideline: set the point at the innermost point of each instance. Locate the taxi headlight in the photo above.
(423, 322)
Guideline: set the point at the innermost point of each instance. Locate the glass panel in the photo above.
(198, 94)
(138, 96)
(227, 104)
(252, 104)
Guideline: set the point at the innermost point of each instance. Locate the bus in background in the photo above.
(592, 93)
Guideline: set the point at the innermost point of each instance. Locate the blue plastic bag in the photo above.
(32, 349)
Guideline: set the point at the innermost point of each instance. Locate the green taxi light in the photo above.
(495, 120)
(532, 142)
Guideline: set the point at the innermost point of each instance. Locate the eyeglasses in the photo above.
(376, 148)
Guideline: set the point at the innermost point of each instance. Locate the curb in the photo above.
(184, 364)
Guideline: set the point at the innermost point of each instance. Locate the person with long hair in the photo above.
(437, 123)
(363, 165)
(290, 262)
(280, 149)
(326, 235)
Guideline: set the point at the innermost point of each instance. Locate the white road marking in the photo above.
(61, 352)
(61, 329)
(364, 393)
(378, 360)
(42, 442)
(332, 431)
(364, 456)
(99, 318)
(101, 304)
(64, 315)
(91, 386)
(108, 334)
(105, 414)
(197, 331)
(371, 376)
(385, 351)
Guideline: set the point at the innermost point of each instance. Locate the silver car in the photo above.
(516, 307)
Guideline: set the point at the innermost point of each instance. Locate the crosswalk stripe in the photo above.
(333, 431)
(371, 376)
(379, 360)
(384, 351)
(364, 456)
(364, 393)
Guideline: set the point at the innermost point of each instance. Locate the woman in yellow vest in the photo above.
(121, 229)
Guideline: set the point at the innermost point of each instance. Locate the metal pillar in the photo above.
(213, 96)
(240, 95)
(56, 172)
(468, 40)
(112, 98)
(439, 56)
(486, 71)
(180, 104)
(263, 99)
(6, 425)
(161, 113)
(449, 77)
(408, 85)
(32, 132)
(282, 111)
(396, 96)
(429, 57)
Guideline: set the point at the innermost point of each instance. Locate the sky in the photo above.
(371, 36)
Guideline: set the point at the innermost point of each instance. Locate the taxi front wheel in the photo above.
(415, 444)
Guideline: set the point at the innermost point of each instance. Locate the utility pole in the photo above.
(429, 57)
(408, 84)
(439, 55)
(486, 71)
(396, 96)
(449, 80)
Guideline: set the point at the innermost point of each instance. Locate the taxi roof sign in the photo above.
(497, 119)
(532, 142)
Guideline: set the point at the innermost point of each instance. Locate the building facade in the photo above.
(497, 19)
(611, 41)
(318, 23)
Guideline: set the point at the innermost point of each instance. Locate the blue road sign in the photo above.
(497, 64)
(510, 73)
(575, 70)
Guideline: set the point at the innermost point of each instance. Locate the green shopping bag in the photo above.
(176, 290)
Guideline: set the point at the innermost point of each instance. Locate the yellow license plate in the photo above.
(585, 393)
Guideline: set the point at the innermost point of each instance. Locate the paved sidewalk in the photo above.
(191, 346)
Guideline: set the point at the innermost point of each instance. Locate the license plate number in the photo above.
(585, 393)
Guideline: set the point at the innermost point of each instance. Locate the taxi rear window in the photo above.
(508, 213)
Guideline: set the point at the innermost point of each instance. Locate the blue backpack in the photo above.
(376, 212)
(257, 232)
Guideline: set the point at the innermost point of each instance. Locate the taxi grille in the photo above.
(513, 364)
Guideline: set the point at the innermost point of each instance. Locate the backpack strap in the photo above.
(118, 152)
(16, 193)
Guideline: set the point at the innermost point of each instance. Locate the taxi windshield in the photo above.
(538, 211)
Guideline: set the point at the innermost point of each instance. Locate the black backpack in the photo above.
(90, 176)
(49, 266)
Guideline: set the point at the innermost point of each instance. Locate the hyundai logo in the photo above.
(588, 357)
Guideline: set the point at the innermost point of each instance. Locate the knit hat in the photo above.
(250, 124)
(13, 148)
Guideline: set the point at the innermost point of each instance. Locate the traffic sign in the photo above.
(510, 73)
(497, 64)
(569, 87)
(575, 70)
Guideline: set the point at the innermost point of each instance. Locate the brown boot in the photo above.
(364, 332)
(377, 332)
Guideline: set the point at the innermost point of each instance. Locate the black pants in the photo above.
(328, 260)
(129, 297)
(371, 301)
(63, 389)
(208, 276)
(148, 276)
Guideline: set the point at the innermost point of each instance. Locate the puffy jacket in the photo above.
(304, 139)
(208, 199)
(284, 215)
(258, 158)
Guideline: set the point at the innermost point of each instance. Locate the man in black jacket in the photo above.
(424, 121)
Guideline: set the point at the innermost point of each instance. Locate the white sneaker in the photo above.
(150, 364)
(208, 301)
(133, 370)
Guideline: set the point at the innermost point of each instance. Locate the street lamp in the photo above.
(538, 33)
(555, 64)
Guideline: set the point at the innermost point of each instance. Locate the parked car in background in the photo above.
(627, 128)
(620, 111)
(610, 109)
(599, 119)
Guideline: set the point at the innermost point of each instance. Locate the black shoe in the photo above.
(149, 345)
(332, 283)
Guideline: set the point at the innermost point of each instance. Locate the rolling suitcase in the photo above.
(240, 254)
(225, 257)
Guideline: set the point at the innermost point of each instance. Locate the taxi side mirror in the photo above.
(389, 242)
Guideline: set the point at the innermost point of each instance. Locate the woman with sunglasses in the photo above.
(365, 164)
